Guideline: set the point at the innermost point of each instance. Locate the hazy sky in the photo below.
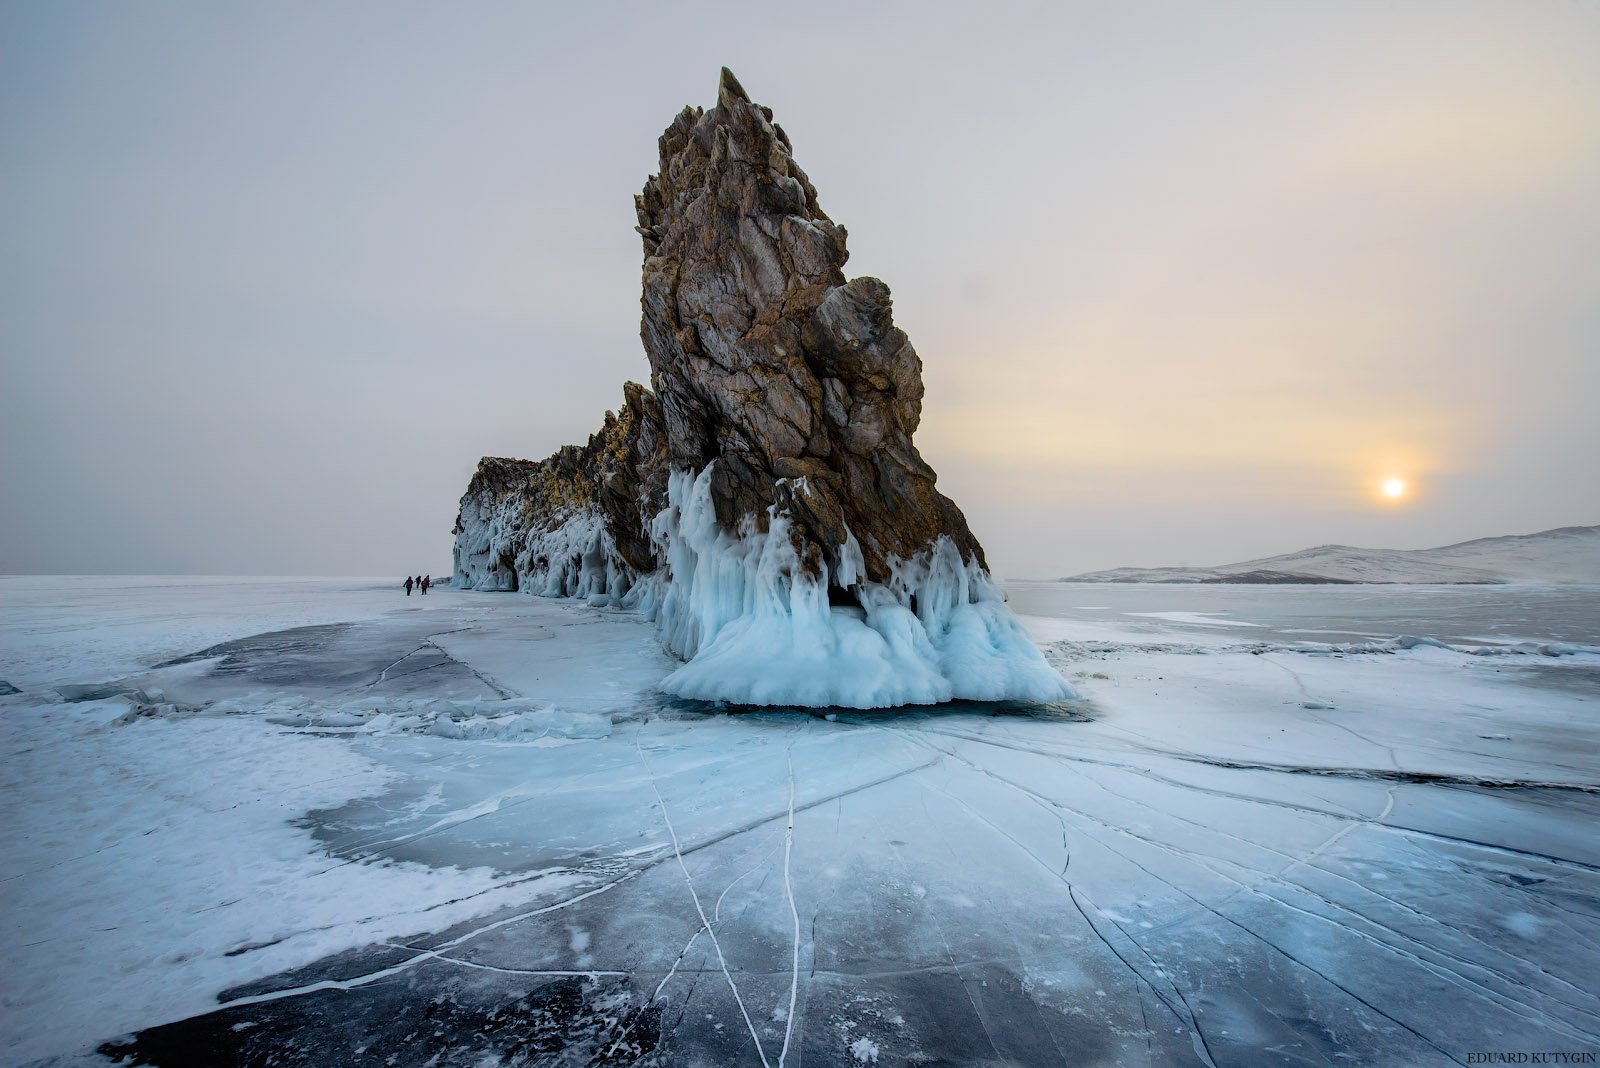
(1187, 279)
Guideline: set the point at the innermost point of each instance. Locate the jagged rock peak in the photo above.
(767, 360)
(729, 89)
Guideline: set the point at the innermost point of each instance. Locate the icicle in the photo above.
(757, 629)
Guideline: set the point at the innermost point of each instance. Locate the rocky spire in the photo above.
(765, 504)
(766, 360)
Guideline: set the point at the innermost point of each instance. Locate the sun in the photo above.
(1393, 488)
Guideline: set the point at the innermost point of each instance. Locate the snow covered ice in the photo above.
(323, 821)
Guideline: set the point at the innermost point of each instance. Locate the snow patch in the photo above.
(151, 865)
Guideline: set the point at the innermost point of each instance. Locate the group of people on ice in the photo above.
(421, 582)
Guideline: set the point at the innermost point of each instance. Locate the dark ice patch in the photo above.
(375, 657)
(974, 1014)
(279, 657)
(431, 1015)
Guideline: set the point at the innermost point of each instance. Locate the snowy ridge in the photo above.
(1562, 555)
(1398, 644)
(757, 629)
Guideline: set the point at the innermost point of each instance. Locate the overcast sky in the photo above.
(1187, 279)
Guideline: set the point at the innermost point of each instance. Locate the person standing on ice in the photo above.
(408, 585)
(427, 580)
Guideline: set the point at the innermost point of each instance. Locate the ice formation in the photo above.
(573, 525)
(756, 628)
(764, 502)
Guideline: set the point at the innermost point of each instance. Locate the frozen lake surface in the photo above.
(310, 822)
(1469, 614)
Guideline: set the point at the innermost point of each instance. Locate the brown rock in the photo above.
(763, 357)
(767, 360)
(520, 521)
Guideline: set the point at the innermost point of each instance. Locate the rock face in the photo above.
(765, 504)
(574, 524)
(767, 360)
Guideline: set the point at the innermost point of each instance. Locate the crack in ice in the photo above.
(689, 880)
(788, 886)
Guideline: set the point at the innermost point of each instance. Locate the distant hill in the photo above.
(1563, 555)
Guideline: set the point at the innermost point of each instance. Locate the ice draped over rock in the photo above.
(757, 628)
(765, 503)
(575, 524)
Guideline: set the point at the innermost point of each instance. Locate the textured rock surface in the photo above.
(571, 524)
(767, 360)
(763, 358)
(765, 504)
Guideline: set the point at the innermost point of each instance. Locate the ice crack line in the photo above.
(505, 694)
(1307, 703)
(426, 640)
(716, 916)
(528, 914)
(1150, 773)
(588, 973)
(689, 880)
(1416, 957)
(421, 954)
(1042, 799)
(788, 886)
(1186, 1016)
